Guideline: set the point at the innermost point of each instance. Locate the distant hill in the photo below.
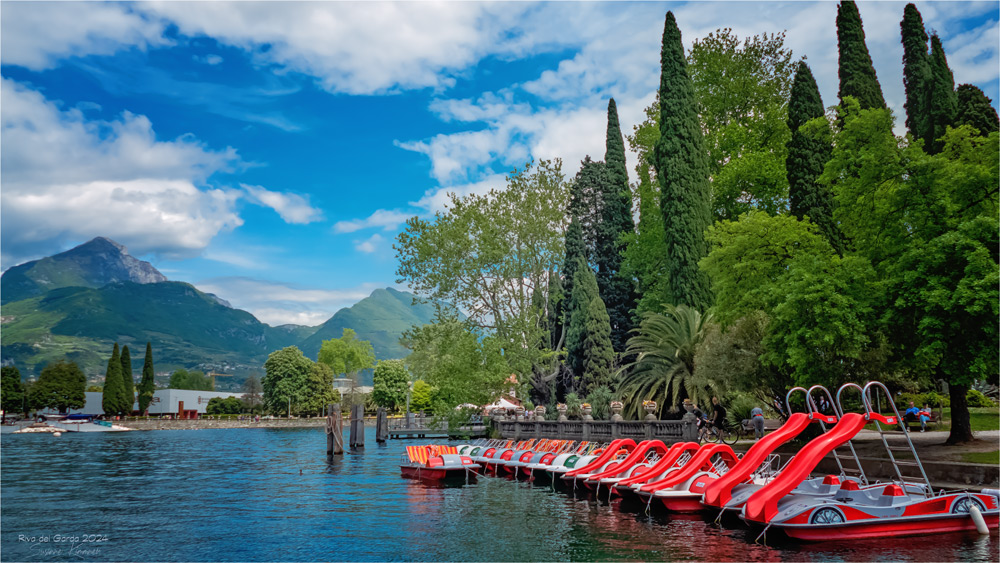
(381, 318)
(92, 264)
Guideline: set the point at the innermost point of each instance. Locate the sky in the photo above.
(271, 152)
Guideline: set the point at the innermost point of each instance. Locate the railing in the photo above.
(598, 430)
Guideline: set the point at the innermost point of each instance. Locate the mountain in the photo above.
(381, 318)
(92, 264)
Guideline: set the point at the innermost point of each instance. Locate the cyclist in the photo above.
(718, 417)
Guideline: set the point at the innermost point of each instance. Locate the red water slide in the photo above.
(637, 456)
(609, 453)
(665, 463)
(763, 504)
(719, 491)
(702, 461)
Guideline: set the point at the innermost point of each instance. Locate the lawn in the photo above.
(981, 418)
(992, 458)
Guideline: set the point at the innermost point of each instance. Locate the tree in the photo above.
(114, 392)
(147, 385)
(60, 386)
(319, 389)
(347, 355)
(420, 399)
(286, 374)
(809, 150)
(856, 71)
(391, 382)
(461, 365)
(194, 380)
(731, 361)
(662, 369)
(916, 72)
(975, 109)
(128, 384)
(682, 168)
(942, 101)
(252, 392)
(12, 396)
(584, 291)
(616, 288)
(576, 254)
(487, 253)
(598, 354)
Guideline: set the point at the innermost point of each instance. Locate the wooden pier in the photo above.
(424, 427)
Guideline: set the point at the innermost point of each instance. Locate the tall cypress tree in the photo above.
(111, 399)
(808, 153)
(683, 170)
(128, 384)
(554, 309)
(916, 71)
(584, 291)
(598, 354)
(147, 384)
(857, 74)
(942, 101)
(617, 291)
(576, 253)
(976, 109)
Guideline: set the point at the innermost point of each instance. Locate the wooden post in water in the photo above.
(357, 426)
(334, 430)
(381, 426)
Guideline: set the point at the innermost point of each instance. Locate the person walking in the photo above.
(757, 420)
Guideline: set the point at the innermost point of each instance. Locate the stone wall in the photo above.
(204, 423)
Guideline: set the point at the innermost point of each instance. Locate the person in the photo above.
(757, 420)
(718, 418)
(823, 406)
(912, 414)
(925, 415)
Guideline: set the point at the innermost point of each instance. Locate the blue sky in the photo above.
(270, 152)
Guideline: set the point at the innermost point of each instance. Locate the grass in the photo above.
(981, 419)
(992, 458)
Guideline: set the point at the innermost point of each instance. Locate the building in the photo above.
(165, 401)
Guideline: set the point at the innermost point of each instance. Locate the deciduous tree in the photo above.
(60, 386)
(391, 383)
(12, 397)
(286, 380)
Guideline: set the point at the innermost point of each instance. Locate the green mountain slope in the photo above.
(381, 318)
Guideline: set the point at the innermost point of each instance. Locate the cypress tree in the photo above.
(554, 310)
(111, 398)
(147, 383)
(128, 384)
(576, 253)
(976, 109)
(857, 74)
(598, 354)
(584, 291)
(942, 101)
(617, 291)
(808, 153)
(916, 71)
(683, 169)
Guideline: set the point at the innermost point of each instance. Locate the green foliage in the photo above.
(644, 258)
(319, 390)
(856, 72)
(738, 407)
(113, 394)
(916, 72)
(253, 393)
(60, 386)
(194, 380)
(662, 366)
(600, 401)
(147, 385)
(229, 405)
(932, 399)
(286, 380)
(730, 360)
(573, 403)
(577, 312)
(598, 354)
(391, 383)
(683, 170)
(486, 254)
(347, 355)
(809, 149)
(977, 399)
(128, 383)
(462, 366)
(742, 89)
(616, 288)
(420, 398)
(576, 254)
(11, 390)
(943, 103)
(976, 109)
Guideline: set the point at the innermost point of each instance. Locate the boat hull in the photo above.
(443, 475)
(896, 528)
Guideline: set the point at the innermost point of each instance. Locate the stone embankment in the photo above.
(205, 423)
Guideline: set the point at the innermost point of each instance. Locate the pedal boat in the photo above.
(438, 468)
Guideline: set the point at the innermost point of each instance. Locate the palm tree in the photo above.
(663, 351)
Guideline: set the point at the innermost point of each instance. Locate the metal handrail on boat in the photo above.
(899, 421)
(839, 414)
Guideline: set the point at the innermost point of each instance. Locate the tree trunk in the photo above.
(961, 425)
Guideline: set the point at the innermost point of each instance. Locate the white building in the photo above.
(165, 401)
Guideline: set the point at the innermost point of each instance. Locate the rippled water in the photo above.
(270, 495)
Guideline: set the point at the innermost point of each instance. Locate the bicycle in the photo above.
(714, 434)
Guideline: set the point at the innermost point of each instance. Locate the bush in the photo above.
(977, 399)
(600, 403)
(932, 398)
(573, 403)
(738, 407)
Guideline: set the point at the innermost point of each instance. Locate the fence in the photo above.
(668, 431)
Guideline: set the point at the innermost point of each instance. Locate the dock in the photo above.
(424, 427)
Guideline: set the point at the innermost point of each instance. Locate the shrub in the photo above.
(600, 401)
(738, 407)
(977, 399)
(573, 403)
(932, 398)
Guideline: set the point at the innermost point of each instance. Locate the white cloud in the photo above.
(438, 199)
(277, 303)
(211, 60)
(293, 208)
(368, 245)
(37, 35)
(66, 178)
(387, 220)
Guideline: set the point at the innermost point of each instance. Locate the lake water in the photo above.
(271, 495)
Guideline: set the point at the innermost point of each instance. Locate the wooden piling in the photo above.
(334, 430)
(381, 426)
(357, 426)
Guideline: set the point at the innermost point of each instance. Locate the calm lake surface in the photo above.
(238, 495)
